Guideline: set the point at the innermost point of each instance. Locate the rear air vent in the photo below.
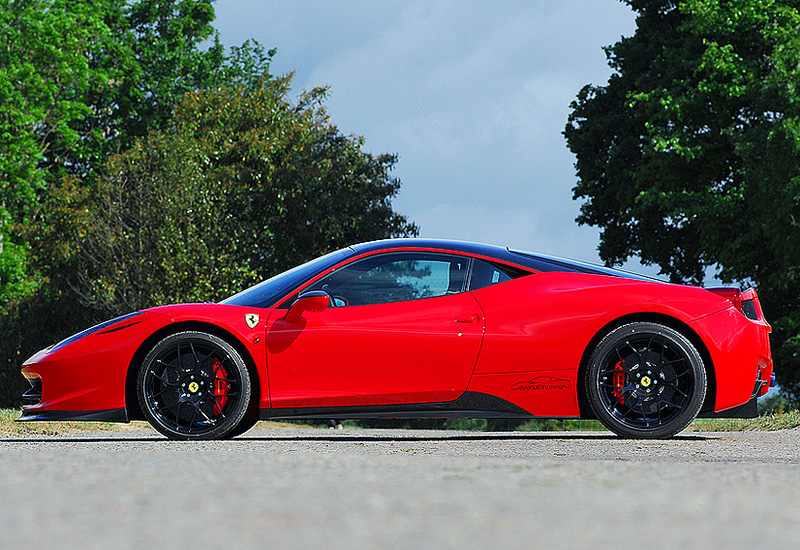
(749, 309)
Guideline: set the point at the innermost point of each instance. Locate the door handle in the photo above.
(468, 318)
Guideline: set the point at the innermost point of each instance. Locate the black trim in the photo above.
(119, 328)
(108, 415)
(34, 394)
(748, 410)
(469, 405)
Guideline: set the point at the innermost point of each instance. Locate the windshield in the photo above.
(267, 293)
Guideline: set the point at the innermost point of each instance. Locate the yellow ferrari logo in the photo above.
(193, 387)
(646, 381)
(251, 319)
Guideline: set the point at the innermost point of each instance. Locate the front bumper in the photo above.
(109, 415)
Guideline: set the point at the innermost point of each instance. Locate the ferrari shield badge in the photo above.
(251, 319)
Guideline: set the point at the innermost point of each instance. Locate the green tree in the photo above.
(689, 156)
(47, 66)
(241, 184)
(80, 80)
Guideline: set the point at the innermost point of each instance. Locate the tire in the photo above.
(646, 381)
(243, 426)
(194, 385)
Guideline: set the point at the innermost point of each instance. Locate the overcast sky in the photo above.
(472, 95)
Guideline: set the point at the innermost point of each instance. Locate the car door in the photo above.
(400, 329)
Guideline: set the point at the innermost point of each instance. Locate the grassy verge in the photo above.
(9, 428)
(768, 422)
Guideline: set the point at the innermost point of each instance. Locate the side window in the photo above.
(485, 274)
(396, 277)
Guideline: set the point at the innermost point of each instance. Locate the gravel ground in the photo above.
(352, 489)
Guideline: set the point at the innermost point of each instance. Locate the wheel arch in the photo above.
(649, 317)
(131, 400)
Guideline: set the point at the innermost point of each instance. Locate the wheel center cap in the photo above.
(646, 381)
(193, 387)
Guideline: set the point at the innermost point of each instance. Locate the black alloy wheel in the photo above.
(194, 385)
(645, 380)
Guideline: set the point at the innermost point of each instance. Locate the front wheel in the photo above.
(194, 385)
(645, 380)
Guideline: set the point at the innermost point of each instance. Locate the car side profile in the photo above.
(413, 328)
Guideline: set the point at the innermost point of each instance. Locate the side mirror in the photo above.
(316, 301)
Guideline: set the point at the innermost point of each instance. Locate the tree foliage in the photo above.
(689, 156)
(241, 185)
(80, 80)
(143, 163)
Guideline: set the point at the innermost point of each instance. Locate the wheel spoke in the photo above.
(168, 365)
(658, 409)
(644, 413)
(166, 382)
(194, 354)
(218, 366)
(636, 351)
(178, 414)
(677, 389)
(194, 416)
(621, 395)
(204, 414)
(162, 392)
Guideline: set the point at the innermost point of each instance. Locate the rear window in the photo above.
(487, 274)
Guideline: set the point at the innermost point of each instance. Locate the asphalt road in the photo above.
(343, 489)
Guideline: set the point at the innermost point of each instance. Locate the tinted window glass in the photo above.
(485, 274)
(265, 294)
(396, 277)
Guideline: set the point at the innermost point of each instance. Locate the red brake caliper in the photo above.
(619, 381)
(220, 386)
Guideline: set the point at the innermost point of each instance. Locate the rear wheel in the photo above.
(645, 380)
(194, 385)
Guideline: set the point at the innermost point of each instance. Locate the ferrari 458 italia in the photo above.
(419, 329)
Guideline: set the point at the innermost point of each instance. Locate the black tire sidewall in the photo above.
(235, 414)
(607, 345)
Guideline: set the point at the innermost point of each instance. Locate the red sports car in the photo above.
(419, 329)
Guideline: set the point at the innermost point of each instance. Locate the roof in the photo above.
(537, 262)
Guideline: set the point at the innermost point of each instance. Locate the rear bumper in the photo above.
(748, 410)
(740, 354)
